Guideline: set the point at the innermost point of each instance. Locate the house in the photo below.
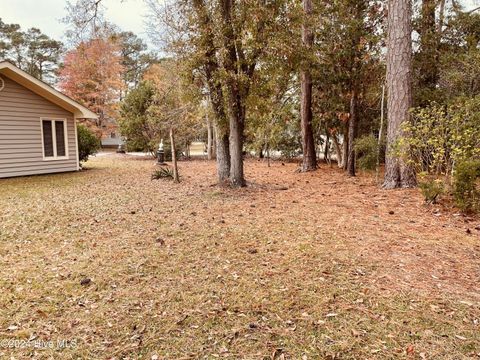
(37, 126)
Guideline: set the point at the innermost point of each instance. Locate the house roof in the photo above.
(45, 90)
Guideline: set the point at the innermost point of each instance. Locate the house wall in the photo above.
(21, 150)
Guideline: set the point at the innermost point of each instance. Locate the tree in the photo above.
(399, 71)
(224, 41)
(32, 51)
(92, 75)
(137, 125)
(309, 161)
(135, 59)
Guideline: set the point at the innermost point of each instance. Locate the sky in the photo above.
(129, 15)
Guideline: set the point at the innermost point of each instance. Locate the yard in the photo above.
(121, 267)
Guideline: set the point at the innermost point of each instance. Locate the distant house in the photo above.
(112, 138)
(37, 126)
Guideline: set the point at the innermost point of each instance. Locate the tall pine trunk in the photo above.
(352, 133)
(399, 74)
(428, 45)
(309, 156)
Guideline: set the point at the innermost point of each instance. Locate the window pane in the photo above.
(60, 134)
(47, 138)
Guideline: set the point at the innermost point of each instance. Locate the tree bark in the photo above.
(236, 95)
(236, 151)
(222, 154)
(176, 178)
(209, 139)
(399, 74)
(309, 162)
(211, 67)
(352, 132)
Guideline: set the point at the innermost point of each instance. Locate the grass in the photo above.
(331, 268)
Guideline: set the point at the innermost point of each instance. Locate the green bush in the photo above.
(467, 185)
(88, 143)
(440, 136)
(366, 149)
(431, 189)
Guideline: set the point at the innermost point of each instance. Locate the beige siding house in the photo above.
(37, 126)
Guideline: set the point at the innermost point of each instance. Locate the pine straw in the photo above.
(296, 266)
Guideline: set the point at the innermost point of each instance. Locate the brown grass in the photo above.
(296, 266)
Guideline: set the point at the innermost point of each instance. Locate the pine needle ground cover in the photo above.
(107, 264)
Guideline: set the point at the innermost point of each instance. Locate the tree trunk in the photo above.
(309, 162)
(338, 150)
(211, 67)
(352, 130)
(236, 151)
(176, 178)
(223, 155)
(380, 134)
(399, 73)
(214, 142)
(345, 146)
(209, 139)
(428, 46)
(327, 145)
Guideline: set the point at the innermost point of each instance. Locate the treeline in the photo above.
(30, 50)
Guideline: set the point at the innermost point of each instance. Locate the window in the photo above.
(54, 135)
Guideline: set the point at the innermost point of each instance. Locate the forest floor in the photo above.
(295, 266)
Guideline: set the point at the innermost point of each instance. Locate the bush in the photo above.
(88, 143)
(366, 148)
(467, 185)
(431, 189)
(440, 136)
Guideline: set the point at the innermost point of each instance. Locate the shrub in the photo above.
(366, 148)
(164, 173)
(88, 143)
(467, 185)
(431, 189)
(440, 136)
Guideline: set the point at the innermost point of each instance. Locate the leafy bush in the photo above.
(164, 173)
(431, 189)
(366, 148)
(88, 143)
(467, 185)
(440, 136)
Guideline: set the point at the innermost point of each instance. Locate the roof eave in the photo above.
(46, 91)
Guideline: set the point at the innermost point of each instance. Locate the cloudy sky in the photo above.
(46, 14)
(129, 15)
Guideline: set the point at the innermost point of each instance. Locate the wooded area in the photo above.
(300, 232)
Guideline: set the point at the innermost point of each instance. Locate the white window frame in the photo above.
(54, 139)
